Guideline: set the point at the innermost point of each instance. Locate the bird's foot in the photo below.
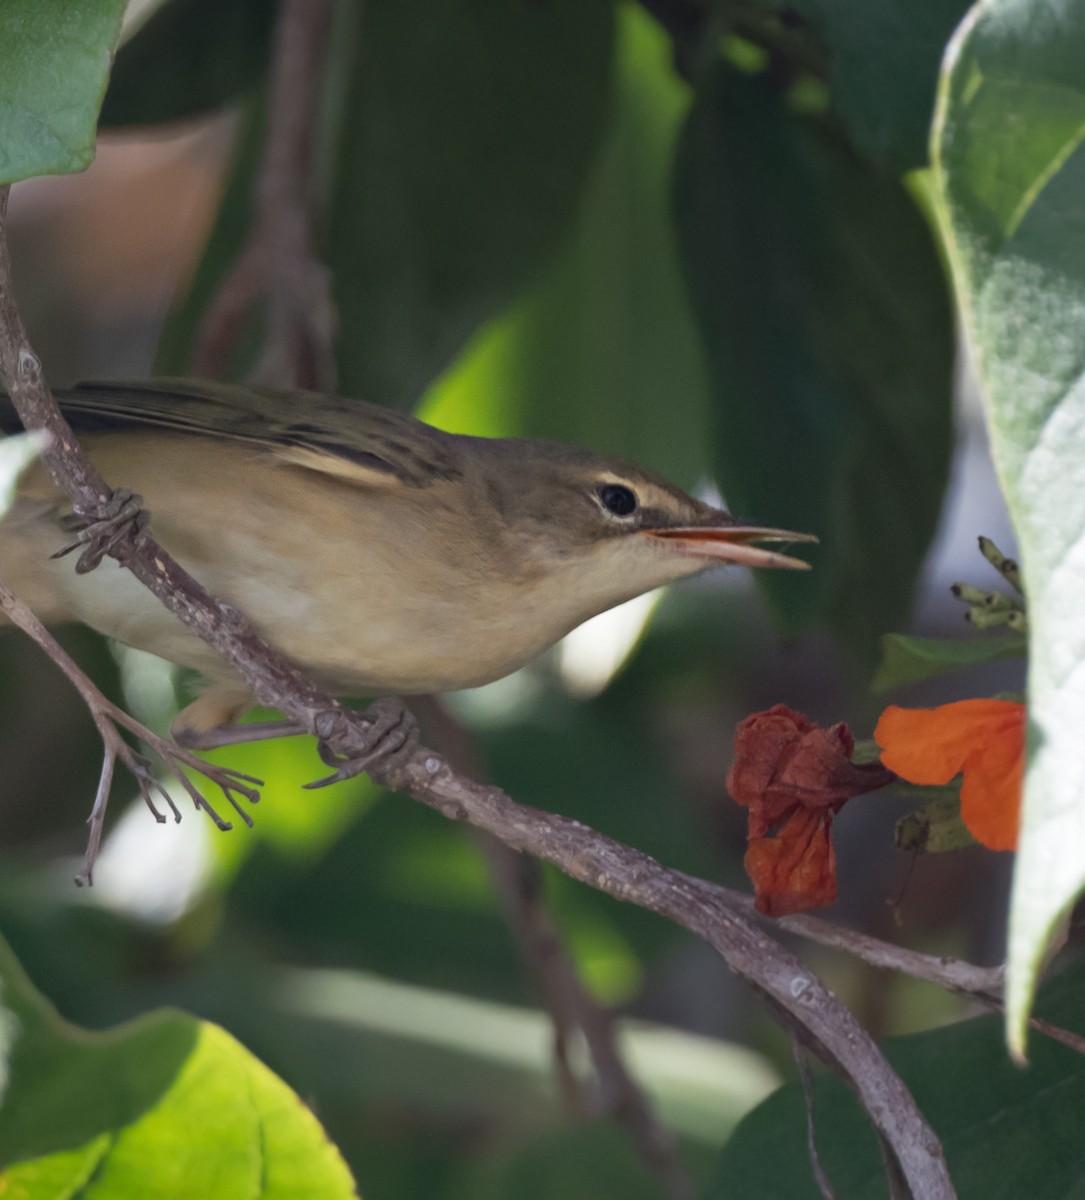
(125, 520)
(389, 742)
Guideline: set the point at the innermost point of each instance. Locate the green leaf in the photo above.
(936, 827)
(884, 69)
(1007, 1133)
(604, 351)
(466, 136)
(191, 56)
(907, 659)
(823, 308)
(164, 1105)
(1010, 173)
(54, 61)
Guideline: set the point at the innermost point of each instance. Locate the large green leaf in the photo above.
(189, 57)
(163, 1106)
(466, 137)
(1007, 1133)
(884, 59)
(1011, 176)
(823, 309)
(604, 351)
(54, 60)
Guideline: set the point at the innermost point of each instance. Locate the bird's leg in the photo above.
(125, 518)
(390, 740)
(236, 735)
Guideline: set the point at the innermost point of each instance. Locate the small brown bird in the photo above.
(380, 554)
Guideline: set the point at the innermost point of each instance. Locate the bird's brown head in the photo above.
(612, 529)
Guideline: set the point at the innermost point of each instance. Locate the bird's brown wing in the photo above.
(351, 440)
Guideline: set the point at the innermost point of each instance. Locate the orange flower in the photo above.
(983, 738)
(794, 777)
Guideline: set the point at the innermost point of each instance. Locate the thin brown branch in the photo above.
(277, 269)
(798, 998)
(953, 974)
(107, 717)
(806, 1078)
(611, 1088)
(984, 985)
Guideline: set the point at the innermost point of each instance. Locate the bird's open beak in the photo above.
(734, 544)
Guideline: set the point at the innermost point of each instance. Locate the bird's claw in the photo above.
(389, 741)
(125, 518)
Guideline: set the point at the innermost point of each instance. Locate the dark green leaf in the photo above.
(190, 57)
(54, 61)
(577, 1162)
(824, 312)
(165, 1105)
(908, 659)
(884, 69)
(466, 136)
(1010, 171)
(1007, 1132)
(604, 351)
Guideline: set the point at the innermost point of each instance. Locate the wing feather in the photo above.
(355, 442)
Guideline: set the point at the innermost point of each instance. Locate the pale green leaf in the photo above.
(1010, 173)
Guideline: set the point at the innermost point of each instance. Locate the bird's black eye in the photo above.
(618, 499)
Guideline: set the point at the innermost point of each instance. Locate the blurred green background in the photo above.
(654, 230)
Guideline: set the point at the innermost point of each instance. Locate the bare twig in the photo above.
(984, 985)
(277, 268)
(806, 1078)
(795, 995)
(953, 974)
(107, 717)
(612, 1090)
(574, 1012)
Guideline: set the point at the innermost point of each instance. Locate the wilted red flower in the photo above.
(795, 776)
(983, 738)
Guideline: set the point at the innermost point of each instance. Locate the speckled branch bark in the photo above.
(796, 995)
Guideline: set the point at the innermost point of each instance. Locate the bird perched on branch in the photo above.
(378, 553)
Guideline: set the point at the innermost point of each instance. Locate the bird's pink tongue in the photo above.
(735, 544)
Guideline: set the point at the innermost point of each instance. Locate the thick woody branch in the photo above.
(797, 997)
